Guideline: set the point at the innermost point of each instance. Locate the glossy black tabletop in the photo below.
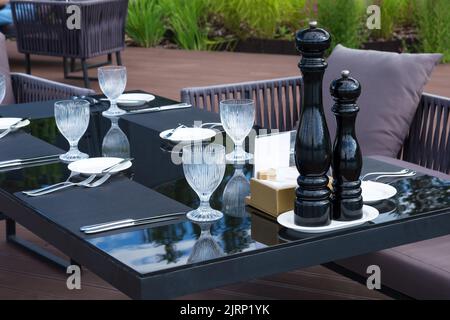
(154, 249)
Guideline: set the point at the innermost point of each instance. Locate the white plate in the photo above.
(134, 99)
(97, 165)
(5, 123)
(287, 220)
(188, 134)
(373, 192)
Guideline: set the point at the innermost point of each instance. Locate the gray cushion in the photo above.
(420, 270)
(4, 69)
(391, 84)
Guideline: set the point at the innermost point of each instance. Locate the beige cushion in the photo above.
(4, 69)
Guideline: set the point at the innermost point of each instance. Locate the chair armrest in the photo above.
(428, 142)
(42, 27)
(28, 88)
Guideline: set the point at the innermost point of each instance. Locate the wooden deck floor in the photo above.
(165, 72)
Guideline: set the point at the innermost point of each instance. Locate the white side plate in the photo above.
(97, 165)
(134, 99)
(5, 123)
(287, 220)
(188, 134)
(373, 192)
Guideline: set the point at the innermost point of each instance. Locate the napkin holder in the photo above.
(275, 195)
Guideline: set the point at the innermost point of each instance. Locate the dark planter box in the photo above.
(392, 45)
(273, 46)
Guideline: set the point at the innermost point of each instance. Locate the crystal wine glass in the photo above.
(112, 81)
(237, 117)
(204, 167)
(115, 143)
(234, 193)
(2, 87)
(206, 247)
(72, 120)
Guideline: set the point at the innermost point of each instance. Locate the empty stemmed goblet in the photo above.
(204, 167)
(237, 117)
(72, 120)
(112, 81)
(115, 143)
(234, 193)
(206, 246)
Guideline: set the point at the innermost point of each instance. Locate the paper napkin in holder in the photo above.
(274, 194)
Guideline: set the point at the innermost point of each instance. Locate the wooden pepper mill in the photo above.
(313, 145)
(347, 159)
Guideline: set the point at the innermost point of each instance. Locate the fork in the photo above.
(401, 172)
(408, 174)
(72, 174)
(64, 186)
(99, 182)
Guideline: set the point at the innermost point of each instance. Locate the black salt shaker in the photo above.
(347, 159)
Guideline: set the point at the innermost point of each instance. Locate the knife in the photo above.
(130, 224)
(128, 221)
(12, 127)
(162, 108)
(108, 169)
(21, 162)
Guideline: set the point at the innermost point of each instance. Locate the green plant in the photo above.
(245, 18)
(343, 19)
(187, 20)
(433, 23)
(145, 23)
(394, 13)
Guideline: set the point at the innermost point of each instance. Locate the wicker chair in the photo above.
(278, 107)
(28, 88)
(277, 101)
(42, 30)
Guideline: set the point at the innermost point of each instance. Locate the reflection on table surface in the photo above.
(242, 229)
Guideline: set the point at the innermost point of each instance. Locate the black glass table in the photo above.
(179, 257)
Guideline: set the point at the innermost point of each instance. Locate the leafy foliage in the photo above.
(343, 19)
(433, 20)
(207, 24)
(145, 23)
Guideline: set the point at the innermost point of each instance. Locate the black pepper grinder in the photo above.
(347, 159)
(313, 144)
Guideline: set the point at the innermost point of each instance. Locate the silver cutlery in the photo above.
(126, 101)
(409, 174)
(211, 124)
(171, 132)
(99, 182)
(72, 174)
(133, 223)
(22, 162)
(127, 225)
(12, 127)
(61, 187)
(161, 108)
(116, 165)
(401, 172)
(127, 221)
(87, 183)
